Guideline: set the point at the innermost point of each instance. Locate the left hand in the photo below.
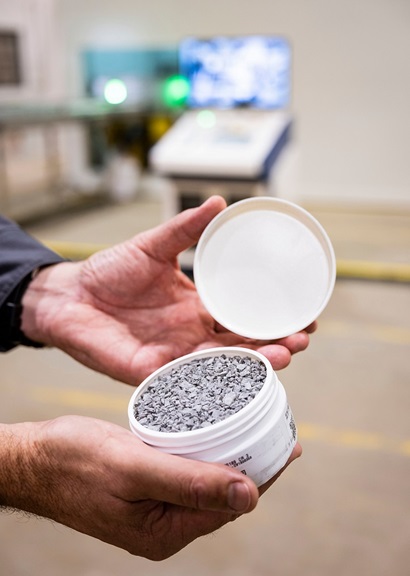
(128, 310)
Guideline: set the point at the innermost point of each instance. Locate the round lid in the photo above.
(264, 268)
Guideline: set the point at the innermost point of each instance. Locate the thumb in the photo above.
(165, 242)
(194, 484)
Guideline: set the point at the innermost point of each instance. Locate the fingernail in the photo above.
(239, 497)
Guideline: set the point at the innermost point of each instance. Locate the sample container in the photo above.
(257, 440)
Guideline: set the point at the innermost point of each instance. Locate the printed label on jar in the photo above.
(291, 422)
(240, 461)
(268, 455)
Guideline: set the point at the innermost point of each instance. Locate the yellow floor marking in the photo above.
(379, 332)
(81, 398)
(404, 448)
(392, 334)
(387, 271)
(357, 439)
(75, 250)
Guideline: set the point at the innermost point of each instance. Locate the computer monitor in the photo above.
(243, 71)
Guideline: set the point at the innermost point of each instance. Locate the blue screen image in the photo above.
(244, 71)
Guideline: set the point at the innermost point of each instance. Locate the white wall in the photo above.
(351, 79)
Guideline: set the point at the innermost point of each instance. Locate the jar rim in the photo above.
(238, 419)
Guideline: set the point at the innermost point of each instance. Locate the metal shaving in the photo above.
(200, 393)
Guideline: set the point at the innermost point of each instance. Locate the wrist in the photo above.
(18, 478)
(42, 300)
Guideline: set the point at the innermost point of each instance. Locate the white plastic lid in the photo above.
(264, 268)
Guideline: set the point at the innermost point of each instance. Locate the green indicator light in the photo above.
(115, 91)
(176, 90)
(206, 119)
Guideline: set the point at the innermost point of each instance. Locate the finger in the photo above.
(194, 484)
(279, 356)
(181, 232)
(279, 353)
(296, 342)
(311, 328)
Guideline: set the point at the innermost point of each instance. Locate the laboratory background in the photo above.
(114, 117)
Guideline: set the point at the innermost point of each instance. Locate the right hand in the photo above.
(99, 479)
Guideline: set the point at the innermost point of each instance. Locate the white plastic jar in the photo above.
(257, 440)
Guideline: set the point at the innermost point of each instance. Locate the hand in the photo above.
(128, 310)
(99, 479)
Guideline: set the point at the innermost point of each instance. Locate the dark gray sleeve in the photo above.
(20, 254)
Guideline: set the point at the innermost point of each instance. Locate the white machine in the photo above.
(226, 152)
(224, 144)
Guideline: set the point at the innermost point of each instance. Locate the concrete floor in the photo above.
(341, 510)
